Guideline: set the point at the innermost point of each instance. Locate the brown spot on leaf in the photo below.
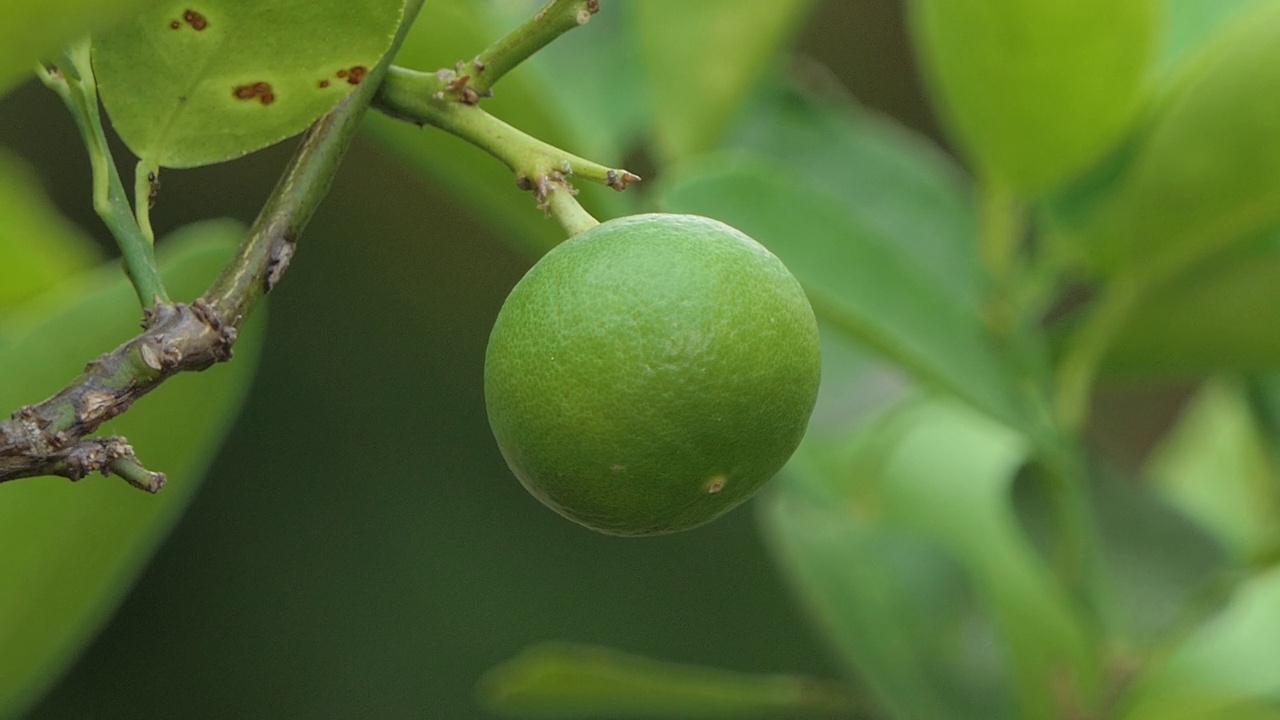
(260, 90)
(341, 73)
(323, 83)
(356, 73)
(175, 25)
(195, 20)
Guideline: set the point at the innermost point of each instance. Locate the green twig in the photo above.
(75, 84)
(470, 81)
(51, 438)
(412, 96)
(132, 472)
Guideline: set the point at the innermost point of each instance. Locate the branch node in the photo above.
(226, 332)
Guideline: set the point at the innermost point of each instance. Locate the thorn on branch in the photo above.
(618, 179)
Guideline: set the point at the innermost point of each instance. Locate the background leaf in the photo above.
(190, 84)
(703, 59)
(1217, 315)
(900, 184)
(1207, 173)
(69, 552)
(1215, 467)
(1225, 668)
(39, 246)
(35, 29)
(1036, 92)
(560, 680)
(895, 607)
(1189, 24)
(909, 546)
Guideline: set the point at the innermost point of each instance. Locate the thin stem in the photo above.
(412, 96)
(1014, 326)
(1001, 224)
(76, 86)
(473, 80)
(1087, 349)
(566, 209)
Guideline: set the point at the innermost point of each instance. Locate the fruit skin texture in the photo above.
(649, 374)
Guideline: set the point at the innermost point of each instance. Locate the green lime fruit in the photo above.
(651, 373)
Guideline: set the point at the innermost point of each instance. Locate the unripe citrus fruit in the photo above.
(651, 373)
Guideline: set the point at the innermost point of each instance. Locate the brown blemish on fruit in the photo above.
(197, 21)
(260, 90)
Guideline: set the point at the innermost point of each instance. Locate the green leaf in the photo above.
(703, 59)
(1036, 92)
(39, 246)
(1189, 24)
(1216, 468)
(69, 551)
(1207, 173)
(560, 680)
(905, 545)
(902, 186)
(1157, 559)
(446, 32)
(895, 606)
(1226, 668)
(35, 29)
(1215, 316)
(189, 84)
(869, 286)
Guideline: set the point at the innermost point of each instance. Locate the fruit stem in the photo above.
(74, 82)
(565, 208)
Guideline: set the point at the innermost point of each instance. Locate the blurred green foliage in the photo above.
(360, 550)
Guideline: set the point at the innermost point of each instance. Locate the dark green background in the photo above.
(359, 548)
